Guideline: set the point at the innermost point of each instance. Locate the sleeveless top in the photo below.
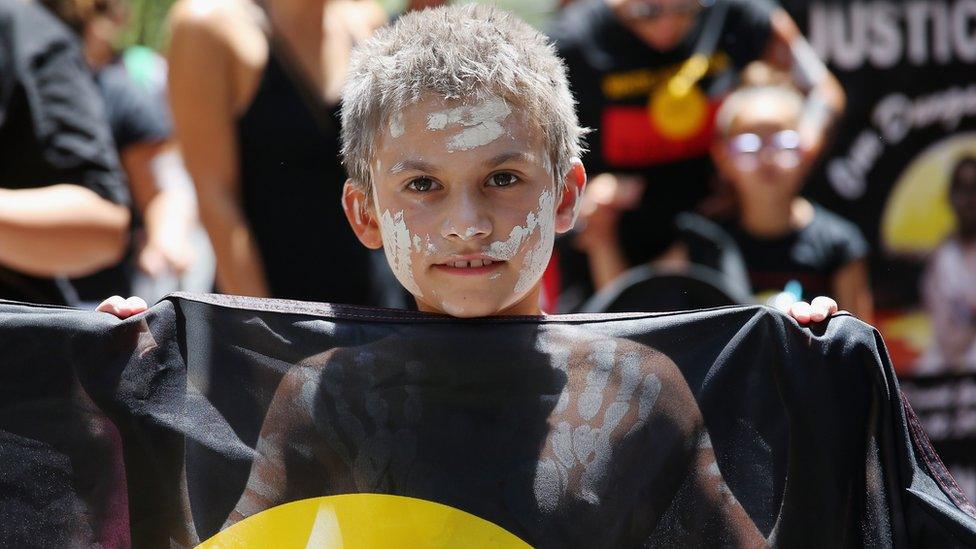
(291, 180)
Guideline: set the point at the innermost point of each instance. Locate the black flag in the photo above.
(229, 419)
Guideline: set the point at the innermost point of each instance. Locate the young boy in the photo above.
(789, 244)
(462, 146)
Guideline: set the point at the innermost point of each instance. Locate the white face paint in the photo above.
(396, 125)
(482, 123)
(396, 245)
(505, 250)
(537, 258)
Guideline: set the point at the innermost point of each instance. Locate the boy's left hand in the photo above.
(817, 310)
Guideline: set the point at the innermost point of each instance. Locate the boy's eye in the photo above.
(422, 184)
(502, 180)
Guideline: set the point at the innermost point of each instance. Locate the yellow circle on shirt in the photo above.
(354, 521)
(678, 112)
(678, 108)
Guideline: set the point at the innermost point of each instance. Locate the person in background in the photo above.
(649, 76)
(63, 203)
(793, 249)
(949, 282)
(165, 206)
(255, 88)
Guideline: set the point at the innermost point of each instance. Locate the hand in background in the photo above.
(166, 255)
(607, 196)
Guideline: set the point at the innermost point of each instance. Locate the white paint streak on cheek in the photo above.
(507, 249)
(482, 123)
(537, 258)
(396, 125)
(396, 244)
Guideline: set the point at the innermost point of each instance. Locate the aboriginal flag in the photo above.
(239, 422)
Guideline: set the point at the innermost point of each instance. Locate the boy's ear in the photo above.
(361, 215)
(572, 187)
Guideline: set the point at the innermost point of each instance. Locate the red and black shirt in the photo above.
(614, 75)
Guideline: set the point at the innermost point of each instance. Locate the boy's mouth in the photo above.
(469, 266)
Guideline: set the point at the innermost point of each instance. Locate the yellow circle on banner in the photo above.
(354, 521)
(917, 215)
(678, 112)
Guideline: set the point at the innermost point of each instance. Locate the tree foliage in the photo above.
(147, 23)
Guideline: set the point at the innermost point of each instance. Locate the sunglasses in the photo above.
(782, 148)
(636, 11)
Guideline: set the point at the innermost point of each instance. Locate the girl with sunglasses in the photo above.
(792, 248)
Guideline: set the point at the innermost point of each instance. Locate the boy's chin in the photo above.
(466, 308)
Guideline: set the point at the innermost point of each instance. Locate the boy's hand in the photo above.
(121, 307)
(819, 309)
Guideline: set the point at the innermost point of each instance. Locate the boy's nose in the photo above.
(466, 221)
(471, 232)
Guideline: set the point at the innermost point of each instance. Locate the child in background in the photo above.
(949, 283)
(792, 248)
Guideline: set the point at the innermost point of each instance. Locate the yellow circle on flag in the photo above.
(355, 521)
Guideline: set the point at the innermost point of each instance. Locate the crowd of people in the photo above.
(703, 119)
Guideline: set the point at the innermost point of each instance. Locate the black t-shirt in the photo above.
(135, 115)
(52, 125)
(291, 186)
(614, 75)
(809, 256)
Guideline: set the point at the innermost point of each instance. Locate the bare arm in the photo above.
(607, 196)
(789, 51)
(852, 290)
(164, 197)
(607, 263)
(65, 228)
(60, 230)
(202, 69)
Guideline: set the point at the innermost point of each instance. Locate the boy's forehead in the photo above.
(458, 130)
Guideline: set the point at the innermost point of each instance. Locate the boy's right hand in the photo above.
(122, 307)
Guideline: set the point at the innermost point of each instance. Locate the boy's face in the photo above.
(762, 152)
(465, 206)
